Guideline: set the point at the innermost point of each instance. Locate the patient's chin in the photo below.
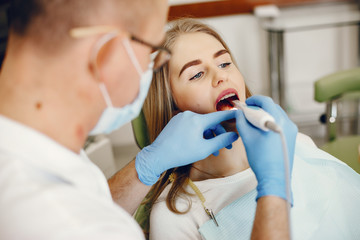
(230, 125)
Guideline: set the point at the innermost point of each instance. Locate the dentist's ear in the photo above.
(102, 54)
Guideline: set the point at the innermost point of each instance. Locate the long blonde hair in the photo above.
(159, 108)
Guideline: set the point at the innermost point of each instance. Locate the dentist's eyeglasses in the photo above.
(159, 55)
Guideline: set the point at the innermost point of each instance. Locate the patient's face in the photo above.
(202, 73)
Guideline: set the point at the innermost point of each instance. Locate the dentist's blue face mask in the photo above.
(113, 118)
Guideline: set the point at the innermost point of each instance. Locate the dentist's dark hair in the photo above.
(47, 22)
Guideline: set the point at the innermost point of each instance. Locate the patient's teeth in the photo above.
(227, 96)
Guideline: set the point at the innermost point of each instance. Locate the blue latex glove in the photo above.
(264, 149)
(182, 142)
(216, 131)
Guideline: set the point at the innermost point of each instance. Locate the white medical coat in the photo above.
(49, 192)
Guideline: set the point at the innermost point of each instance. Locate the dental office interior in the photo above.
(303, 53)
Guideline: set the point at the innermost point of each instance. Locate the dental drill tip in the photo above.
(256, 116)
(238, 104)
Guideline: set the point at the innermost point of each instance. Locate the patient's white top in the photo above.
(326, 196)
(49, 192)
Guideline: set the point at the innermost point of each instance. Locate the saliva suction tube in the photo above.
(264, 121)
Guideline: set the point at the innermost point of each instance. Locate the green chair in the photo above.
(336, 90)
(140, 131)
(142, 140)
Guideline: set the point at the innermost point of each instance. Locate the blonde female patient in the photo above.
(215, 198)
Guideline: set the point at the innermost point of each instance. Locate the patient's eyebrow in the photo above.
(197, 62)
(189, 64)
(221, 52)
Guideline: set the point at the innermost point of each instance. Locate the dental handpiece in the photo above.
(257, 116)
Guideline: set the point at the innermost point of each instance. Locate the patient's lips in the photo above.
(224, 101)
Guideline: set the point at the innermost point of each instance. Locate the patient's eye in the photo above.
(224, 65)
(197, 76)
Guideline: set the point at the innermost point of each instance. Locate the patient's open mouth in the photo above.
(225, 101)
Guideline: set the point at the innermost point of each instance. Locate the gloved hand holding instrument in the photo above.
(183, 141)
(265, 156)
(271, 163)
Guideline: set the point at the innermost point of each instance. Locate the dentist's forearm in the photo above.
(126, 188)
(271, 219)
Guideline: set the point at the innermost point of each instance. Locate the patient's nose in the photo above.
(218, 78)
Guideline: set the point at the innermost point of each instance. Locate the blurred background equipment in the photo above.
(341, 92)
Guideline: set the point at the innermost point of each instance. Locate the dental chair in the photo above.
(341, 92)
(142, 214)
(140, 131)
